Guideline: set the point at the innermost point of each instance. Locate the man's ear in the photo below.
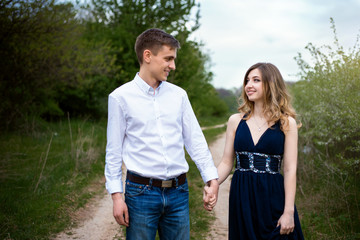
(147, 55)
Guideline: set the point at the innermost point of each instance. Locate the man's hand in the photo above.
(120, 210)
(210, 194)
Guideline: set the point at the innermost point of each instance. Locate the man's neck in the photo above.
(150, 81)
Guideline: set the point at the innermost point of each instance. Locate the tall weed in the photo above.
(45, 174)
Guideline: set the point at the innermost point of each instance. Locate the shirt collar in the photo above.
(146, 88)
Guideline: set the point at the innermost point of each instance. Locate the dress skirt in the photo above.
(256, 204)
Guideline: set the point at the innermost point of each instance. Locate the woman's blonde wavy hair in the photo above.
(277, 106)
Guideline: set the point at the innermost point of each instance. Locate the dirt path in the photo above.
(100, 225)
(219, 229)
(97, 221)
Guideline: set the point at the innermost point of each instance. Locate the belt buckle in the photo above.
(166, 184)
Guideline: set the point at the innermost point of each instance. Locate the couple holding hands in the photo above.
(151, 120)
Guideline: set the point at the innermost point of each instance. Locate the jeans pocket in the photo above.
(134, 189)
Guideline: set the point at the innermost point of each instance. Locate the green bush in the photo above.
(327, 99)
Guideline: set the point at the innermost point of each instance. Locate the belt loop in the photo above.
(150, 182)
(176, 182)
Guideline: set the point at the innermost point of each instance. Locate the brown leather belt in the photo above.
(157, 182)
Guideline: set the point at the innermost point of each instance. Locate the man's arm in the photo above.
(113, 167)
(196, 146)
(115, 136)
(195, 143)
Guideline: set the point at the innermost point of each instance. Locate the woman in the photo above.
(261, 136)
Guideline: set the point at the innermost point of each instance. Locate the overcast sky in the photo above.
(239, 33)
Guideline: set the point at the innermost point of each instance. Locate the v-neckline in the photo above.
(251, 136)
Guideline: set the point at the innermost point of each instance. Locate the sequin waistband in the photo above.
(258, 162)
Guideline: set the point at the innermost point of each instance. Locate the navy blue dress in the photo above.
(257, 195)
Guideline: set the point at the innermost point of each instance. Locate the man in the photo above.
(149, 122)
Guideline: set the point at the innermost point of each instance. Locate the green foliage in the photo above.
(328, 98)
(59, 58)
(120, 23)
(231, 98)
(43, 54)
(191, 74)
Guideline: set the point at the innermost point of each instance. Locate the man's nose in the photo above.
(172, 65)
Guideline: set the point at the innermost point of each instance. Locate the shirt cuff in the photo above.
(114, 186)
(210, 174)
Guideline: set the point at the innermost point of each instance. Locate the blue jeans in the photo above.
(154, 208)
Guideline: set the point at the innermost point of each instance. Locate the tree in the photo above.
(42, 52)
(231, 97)
(120, 22)
(191, 74)
(57, 58)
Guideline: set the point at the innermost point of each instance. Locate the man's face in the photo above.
(162, 63)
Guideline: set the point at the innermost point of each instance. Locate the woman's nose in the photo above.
(249, 84)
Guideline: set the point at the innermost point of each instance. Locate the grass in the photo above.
(212, 121)
(200, 219)
(327, 198)
(45, 175)
(54, 169)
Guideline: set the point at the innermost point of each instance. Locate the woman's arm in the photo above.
(290, 165)
(227, 160)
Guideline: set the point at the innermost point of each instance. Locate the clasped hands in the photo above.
(210, 194)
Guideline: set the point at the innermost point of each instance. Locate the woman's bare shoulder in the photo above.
(292, 125)
(235, 119)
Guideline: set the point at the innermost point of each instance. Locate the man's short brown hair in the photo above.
(153, 39)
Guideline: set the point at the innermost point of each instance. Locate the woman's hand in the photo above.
(286, 223)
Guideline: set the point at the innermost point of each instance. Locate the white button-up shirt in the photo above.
(147, 130)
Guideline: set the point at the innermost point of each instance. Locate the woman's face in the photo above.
(254, 87)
